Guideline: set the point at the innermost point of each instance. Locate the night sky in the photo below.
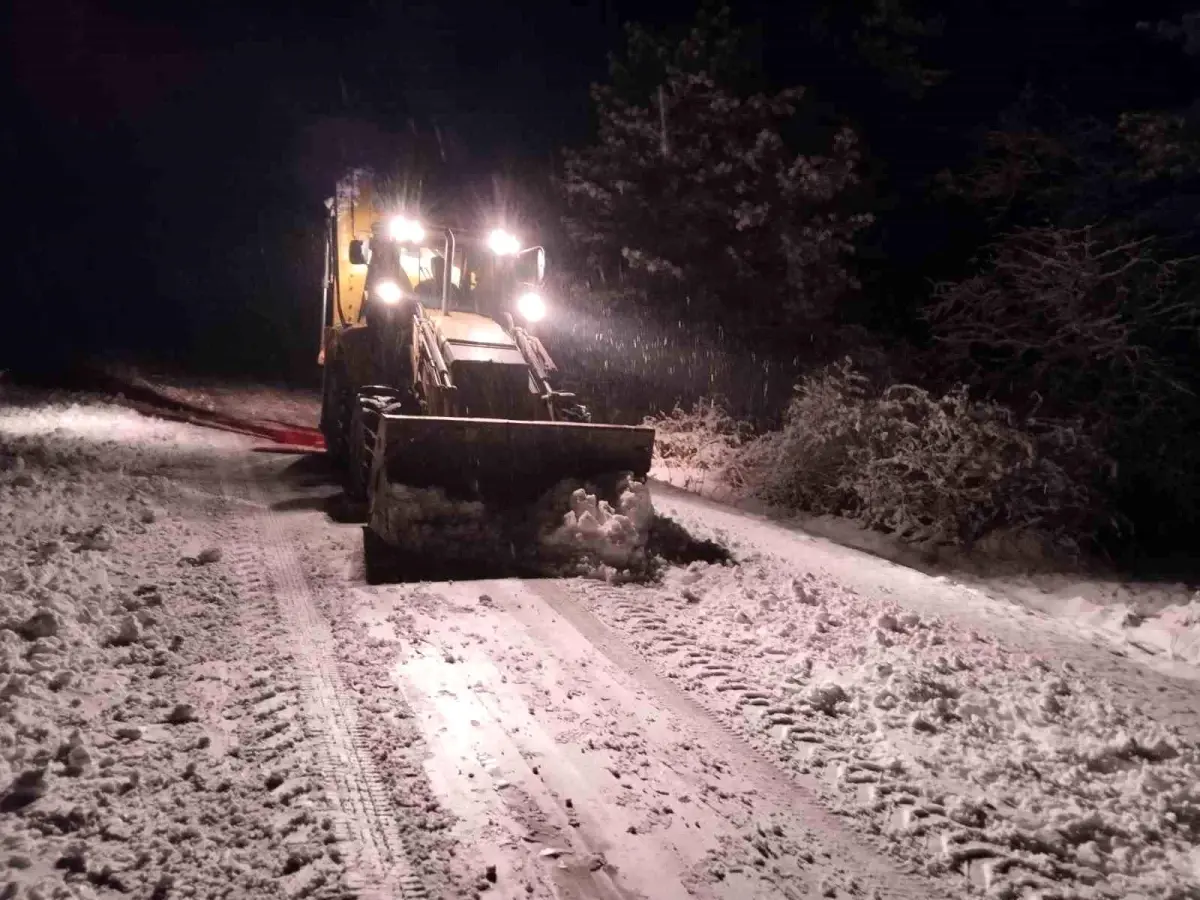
(169, 159)
(174, 156)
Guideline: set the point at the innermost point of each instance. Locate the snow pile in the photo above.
(1026, 770)
(570, 530)
(602, 540)
(1161, 619)
(1172, 629)
(1158, 618)
(1176, 630)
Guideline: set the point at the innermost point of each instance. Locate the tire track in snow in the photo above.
(830, 834)
(381, 863)
(728, 677)
(778, 716)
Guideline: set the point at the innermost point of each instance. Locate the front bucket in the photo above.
(505, 461)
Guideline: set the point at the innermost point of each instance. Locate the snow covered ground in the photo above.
(271, 403)
(1158, 618)
(977, 735)
(200, 696)
(148, 740)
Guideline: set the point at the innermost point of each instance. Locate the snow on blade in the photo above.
(602, 540)
(570, 530)
(425, 523)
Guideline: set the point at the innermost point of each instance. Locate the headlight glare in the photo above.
(502, 243)
(388, 292)
(531, 306)
(406, 230)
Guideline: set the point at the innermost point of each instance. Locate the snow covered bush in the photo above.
(704, 440)
(1098, 324)
(801, 466)
(950, 470)
(944, 470)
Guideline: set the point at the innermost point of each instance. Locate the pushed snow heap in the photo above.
(596, 537)
(603, 538)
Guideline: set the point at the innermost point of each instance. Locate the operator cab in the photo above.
(488, 276)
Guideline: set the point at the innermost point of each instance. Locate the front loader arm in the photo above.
(540, 367)
(429, 366)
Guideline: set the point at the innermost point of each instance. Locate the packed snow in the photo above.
(432, 525)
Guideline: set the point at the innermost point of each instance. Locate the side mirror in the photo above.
(357, 255)
(531, 266)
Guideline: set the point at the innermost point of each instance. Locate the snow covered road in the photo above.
(200, 695)
(977, 736)
(567, 766)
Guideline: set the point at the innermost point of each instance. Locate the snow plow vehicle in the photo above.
(432, 375)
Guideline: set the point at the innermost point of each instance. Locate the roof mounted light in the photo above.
(502, 243)
(406, 230)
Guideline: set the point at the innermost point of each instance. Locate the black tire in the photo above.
(364, 432)
(337, 406)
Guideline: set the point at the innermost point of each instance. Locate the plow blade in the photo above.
(505, 461)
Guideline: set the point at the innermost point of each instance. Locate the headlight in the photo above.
(502, 243)
(531, 306)
(388, 292)
(407, 231)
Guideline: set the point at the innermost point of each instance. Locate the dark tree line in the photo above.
(1041, 253)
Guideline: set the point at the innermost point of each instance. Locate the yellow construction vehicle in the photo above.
(433, 377)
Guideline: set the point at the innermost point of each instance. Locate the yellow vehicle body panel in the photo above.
(356, 211)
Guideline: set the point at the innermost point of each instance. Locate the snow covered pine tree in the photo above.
(723, 202)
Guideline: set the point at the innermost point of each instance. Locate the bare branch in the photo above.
(1063, 307)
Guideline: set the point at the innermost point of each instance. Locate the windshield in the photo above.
(479, 281)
